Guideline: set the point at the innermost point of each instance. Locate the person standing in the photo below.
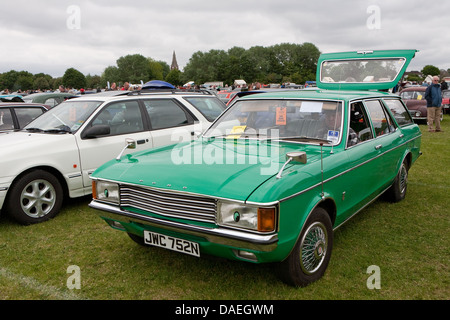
(433, 96)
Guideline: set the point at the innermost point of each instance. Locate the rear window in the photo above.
(399, 111)
(210, 107)
(413, 95)
(26, 115)
(361, 70)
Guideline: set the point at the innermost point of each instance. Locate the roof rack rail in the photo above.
(169, 91)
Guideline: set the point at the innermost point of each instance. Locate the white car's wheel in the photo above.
(35, 197)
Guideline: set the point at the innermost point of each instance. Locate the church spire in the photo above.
(174, 65)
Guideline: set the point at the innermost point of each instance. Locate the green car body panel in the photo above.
(255, 173)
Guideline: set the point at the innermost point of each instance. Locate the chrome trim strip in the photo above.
(4, 189)
(346, 171)
(234, 238)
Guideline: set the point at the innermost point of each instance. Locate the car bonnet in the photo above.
(228, 169)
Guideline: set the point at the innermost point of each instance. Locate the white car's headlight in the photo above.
(105, 191)
(261, 219)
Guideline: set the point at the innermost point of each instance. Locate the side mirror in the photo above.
(129, 144)
(97, 131)
(296, 156)
(299, 157)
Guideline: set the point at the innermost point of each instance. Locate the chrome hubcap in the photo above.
(38, 198)
(313, 248)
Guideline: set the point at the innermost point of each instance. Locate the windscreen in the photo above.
(311, 121)
(69, 116)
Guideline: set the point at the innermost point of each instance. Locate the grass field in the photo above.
(408, 241)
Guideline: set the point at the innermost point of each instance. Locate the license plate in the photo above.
(171, 243)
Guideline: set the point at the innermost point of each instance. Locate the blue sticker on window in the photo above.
(333, 136)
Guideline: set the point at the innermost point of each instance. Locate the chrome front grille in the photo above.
(170, 204)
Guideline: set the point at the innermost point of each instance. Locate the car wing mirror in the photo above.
(129, 144)
(295, 157)
(97, 130)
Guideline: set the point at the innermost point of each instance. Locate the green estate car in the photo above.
(276, 173)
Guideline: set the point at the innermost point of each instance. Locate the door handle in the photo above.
(143, 141)
(378, 147)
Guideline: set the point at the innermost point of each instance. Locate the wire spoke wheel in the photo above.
(403, 179)
(311, 254)
(313, 248)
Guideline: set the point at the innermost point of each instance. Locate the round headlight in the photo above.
(107, 191)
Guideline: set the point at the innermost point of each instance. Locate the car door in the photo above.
(388, 143)
(125, 121)
(373, 156)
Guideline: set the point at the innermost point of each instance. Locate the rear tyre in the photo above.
(397, 192)
(36, 197)
(310, 257)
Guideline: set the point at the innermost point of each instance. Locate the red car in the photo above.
(446, 101)
(414, 97)
(226, 96)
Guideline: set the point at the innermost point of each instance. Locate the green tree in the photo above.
(9, 79)
(41, 83)
(258, 64)
(431, 70)
(74, 79)
(93, 82)
(111, 74)
(174, 78)
(156, 70)
(133, 68)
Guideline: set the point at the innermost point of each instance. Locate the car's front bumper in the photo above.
(221, 236)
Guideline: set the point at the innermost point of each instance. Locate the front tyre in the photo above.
(310, 257)
(35, 197)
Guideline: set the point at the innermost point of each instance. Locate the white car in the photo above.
(53, 156)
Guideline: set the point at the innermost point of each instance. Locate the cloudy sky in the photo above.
(51, 36)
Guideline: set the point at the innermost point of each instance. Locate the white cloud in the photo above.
(36, 36)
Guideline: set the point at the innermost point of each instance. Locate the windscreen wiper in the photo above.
(34, 129)
(57, 130)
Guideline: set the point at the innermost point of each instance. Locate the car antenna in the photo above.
(321, 167)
